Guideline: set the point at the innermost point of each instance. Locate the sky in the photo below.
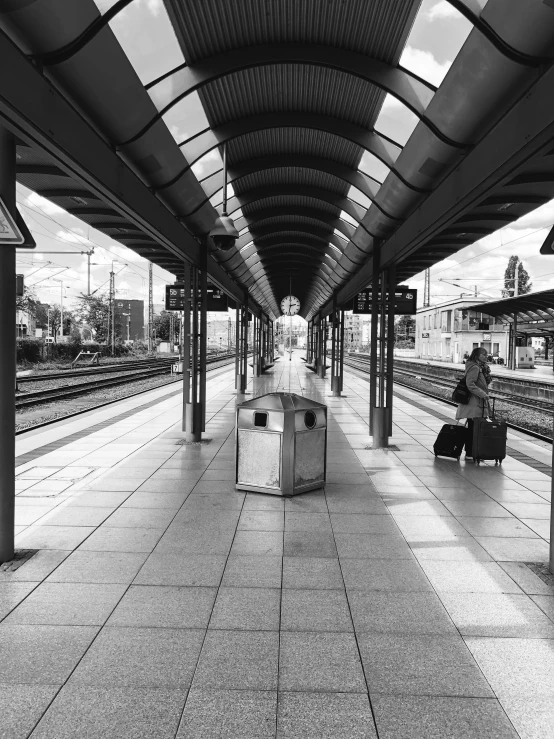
(438, 33)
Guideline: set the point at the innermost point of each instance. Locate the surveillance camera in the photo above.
(224, 242)
(224, 234)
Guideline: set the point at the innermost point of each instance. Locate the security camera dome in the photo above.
(224, 234)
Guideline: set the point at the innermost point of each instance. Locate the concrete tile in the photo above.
(11, 595)
(134, 657)
(418, 664)
(396, 575)
(545, 603)
(468, 577)
(504, 527)
(372, 546)
(164, 606)
(312, 572)
(70, 604)
(307, 522)
(538, 526)
(266, 543)
(407, 507)
(214, 487)
(324, 716)
(181, 570)
(320, 662)
(41, 654)
(53, 537)
(481, 508)
(172, 501)
(35, 569)
(231, 713)
(112, 713)
(420, 527)
(117, 484)
(245, 660)
(214, 502)
(249, 609)
(225, 474)
(204, 520)
(515, 550)
(497, 614)
(314, 502)
(461, 548)
(78, 516)
(533, 718)
(309, 544)
(96, 498)
(252, 571)
(259, 502)
(428, 717)
(344, 523)
(521, 495)
(25, 515)
(166, 486)
(399, 613)
(367, 505)
(261, 521)
(112, 539)
(99, 567)
(516, 668)
(525, 578)
(195, 540)
(21, 707)
(315, 610)
(148, 518)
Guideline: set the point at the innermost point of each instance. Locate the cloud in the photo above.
(76, 236)
(424, 64)
(441, 10)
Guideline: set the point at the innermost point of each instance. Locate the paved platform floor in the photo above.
(542, 373)
(163, 603)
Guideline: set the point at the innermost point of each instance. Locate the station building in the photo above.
(445, 332)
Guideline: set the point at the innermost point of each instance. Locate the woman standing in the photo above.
(478, 377)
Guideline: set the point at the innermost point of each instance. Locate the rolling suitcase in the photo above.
(450, 441)
(489, 439)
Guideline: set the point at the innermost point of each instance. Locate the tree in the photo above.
(94, 310)
(27, 302)
(55, 321)
(404, 329)
(162, 326)
(523, 284)
(41, 314)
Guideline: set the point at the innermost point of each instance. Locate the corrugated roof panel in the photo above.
(295, 201)
(290, 176)
(291, 87)
(377, 28)
(293, 141)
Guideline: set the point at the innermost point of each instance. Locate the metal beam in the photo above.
(292, 211)
(33, 109)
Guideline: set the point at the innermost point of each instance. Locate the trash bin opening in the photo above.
(260, 420)
(310, 419)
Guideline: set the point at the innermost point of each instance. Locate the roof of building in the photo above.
(534, 311)
(141, 106)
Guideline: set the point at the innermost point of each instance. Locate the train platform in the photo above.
(541, 373)
(404, 601)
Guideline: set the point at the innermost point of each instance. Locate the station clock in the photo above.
(290, 305)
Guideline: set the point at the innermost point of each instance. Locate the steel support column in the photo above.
(514, 344)
(7, 359)
(257, 347)
(241, 348)
(373, 340)
(390, 345)
(322, 349)
(337, 349)
(194, 351)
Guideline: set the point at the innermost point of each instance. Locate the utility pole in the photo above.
(427, 289)
(111, 329)
(150, 306)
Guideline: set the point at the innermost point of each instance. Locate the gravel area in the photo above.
(55, 383)
(528, 418)
(26, 418)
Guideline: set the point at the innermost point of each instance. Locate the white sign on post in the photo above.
(9, 232)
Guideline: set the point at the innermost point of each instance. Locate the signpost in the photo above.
(9, 231)
(404, 304)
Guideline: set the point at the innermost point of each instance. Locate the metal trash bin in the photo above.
(281, 441)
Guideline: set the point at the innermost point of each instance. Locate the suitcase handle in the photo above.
(491, 407)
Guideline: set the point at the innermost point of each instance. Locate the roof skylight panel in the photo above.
(185, 120)
(373, 167)
(146, 35)
(395, 120)
(438, 34)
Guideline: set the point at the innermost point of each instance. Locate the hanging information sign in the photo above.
(175, 296)
(405, 301)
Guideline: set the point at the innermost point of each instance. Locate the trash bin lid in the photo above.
(281, 402)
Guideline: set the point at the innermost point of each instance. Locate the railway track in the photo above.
(124, 376)
(96, 370)
(362, 364)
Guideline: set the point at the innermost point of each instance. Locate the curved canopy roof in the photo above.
(334, 146)
(534, 312)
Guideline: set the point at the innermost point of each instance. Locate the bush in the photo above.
(36, 351)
